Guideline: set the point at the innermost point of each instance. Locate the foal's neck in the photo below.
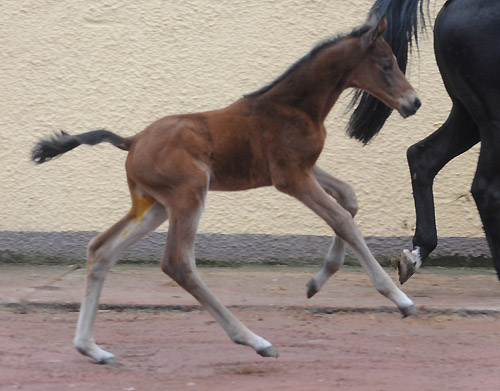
(316, 84)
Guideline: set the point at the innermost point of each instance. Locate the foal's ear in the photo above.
(376, 27)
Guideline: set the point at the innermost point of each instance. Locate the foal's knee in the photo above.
(349, 200)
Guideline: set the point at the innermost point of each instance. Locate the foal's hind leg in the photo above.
(185, 206)
(306, 189)
(345, 196)
(426, 159)
(103, 251)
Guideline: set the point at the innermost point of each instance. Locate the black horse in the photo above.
(467, 49)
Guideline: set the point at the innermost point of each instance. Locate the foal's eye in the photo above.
(386, 67)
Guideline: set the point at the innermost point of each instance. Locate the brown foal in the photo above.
(270, 137)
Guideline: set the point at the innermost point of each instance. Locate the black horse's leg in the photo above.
(426, 158)
(486, 187)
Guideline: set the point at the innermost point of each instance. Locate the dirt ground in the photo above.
(348, 337)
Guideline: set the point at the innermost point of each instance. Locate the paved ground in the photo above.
(433, 288)
(347, 337)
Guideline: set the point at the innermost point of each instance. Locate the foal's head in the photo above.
(378, 72)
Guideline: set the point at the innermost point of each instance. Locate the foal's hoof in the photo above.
(111, 361)
(409, 311)
(406, 266)
(270, 351)
(312, 288)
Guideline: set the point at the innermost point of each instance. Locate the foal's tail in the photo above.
(59, 143)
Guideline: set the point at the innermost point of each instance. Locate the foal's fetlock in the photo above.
(90, 349)
(259, 344)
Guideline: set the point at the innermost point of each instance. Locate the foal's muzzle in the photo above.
(409, 104)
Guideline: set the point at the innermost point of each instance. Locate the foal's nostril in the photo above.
(417, 103)
(409, 105)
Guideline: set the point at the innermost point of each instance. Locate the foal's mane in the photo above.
(357, 32)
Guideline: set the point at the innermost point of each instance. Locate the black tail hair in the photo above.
(403, 17)
(59, 143)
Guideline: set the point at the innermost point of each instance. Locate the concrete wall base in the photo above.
(238, 248)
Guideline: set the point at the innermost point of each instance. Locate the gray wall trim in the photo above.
(221, 247)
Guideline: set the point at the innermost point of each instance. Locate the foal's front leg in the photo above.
(345, 196)
(306, 188)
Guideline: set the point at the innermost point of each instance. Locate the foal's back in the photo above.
(242, 146)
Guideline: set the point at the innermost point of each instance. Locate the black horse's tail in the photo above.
(59, 143)
(403, 17)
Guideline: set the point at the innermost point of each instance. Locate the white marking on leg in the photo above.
(414, 257)
(381, 280)
(104, 251)
(312, 195)
(84, 341)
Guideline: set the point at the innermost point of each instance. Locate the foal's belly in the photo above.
(239, 169)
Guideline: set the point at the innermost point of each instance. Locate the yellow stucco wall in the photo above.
(80, 65)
